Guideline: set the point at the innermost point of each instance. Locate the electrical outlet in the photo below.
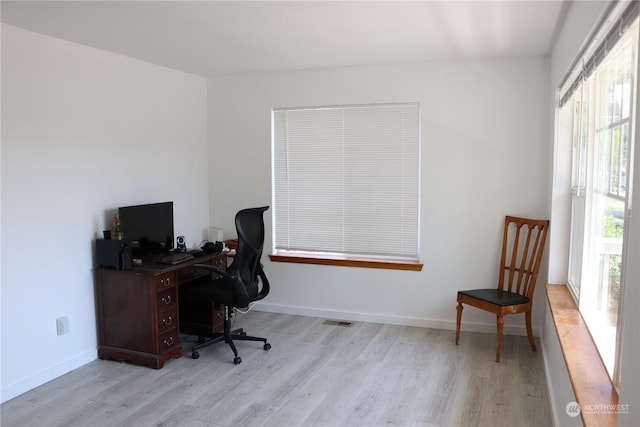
(62, 324)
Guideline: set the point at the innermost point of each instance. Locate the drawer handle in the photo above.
(166, 282)
(167, 299)
(168, 321)
(168, 342)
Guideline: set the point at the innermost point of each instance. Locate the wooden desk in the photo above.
(138, 316)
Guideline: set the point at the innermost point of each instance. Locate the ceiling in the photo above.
(226, 37)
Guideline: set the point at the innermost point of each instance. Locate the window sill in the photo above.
(589, 378)
(348, 262)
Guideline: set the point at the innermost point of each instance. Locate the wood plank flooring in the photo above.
(366, 374)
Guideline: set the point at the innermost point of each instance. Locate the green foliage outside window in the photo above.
(613, 228)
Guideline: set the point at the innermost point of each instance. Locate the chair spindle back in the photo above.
(522, 247)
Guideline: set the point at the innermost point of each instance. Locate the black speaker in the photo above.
(181, 246)
(113, 254)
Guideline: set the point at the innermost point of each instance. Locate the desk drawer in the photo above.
(168, 319)
(220, 261)
(190, 273)
(164, 281)
(217, 319)
(168, 340)
(166, 299)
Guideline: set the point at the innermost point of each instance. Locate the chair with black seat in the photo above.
(243, 282)
(523, 243)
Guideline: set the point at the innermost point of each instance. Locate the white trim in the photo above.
(421, 322)
(550, 389)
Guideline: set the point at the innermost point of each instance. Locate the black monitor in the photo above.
(148, 228)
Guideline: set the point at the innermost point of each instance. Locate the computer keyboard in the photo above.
(175, 258)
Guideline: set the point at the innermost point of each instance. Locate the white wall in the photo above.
(485, 130)
(580, 20)
(83, 132)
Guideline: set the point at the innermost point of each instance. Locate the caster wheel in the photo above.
(243, 333)
(195, 354)
(267, 346)
(237, 360)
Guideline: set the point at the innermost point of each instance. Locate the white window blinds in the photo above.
(346, 180)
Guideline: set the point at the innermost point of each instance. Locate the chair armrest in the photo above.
(215, 269)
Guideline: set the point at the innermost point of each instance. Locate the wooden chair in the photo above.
(522, 246)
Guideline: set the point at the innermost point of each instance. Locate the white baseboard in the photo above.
(489, 328)
(23, 386)
(552, 397)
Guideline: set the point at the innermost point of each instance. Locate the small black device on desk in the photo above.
(211, 247)
(113, 254)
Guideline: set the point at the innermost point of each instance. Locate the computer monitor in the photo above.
(148, 228)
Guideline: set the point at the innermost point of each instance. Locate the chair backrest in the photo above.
(246, 263)
(523, 243)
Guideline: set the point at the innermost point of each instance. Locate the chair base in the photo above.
(499, 322)
(227, 336)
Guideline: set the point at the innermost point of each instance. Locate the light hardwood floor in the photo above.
(367, 374)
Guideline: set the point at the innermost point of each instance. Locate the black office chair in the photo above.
(242, 282)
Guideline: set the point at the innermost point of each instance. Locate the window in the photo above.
(346, 181)
(599, 111)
